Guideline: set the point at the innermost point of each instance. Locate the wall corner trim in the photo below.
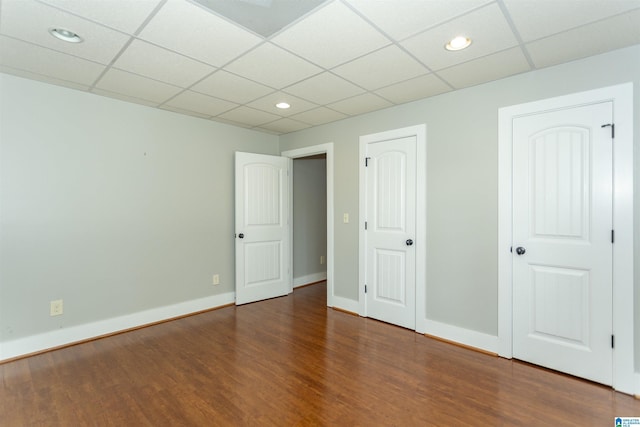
(466, 337)
(345, 304)
(309, 279)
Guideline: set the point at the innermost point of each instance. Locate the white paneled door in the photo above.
(562, 240)
(391, 231)
(262, 229)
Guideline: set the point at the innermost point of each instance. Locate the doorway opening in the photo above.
(325, 152)
(309, 219)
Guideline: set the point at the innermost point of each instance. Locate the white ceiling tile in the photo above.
(324, 88)
(40, 77)
(410, 90)
(35, 59)
(285, 126)
(602, 36)
(161, 64)
(487, 28)
(181, 44)
(268, 104)
(319, 116)
(123, 97)
(360, 104)
(100, 44)
(186, 28)
(273, 66)
(125, 15)
(331, 36)
(488, 68)
(402, 18)
(535, 19)
(136, 86)
(203, 104)
(382, 68)
(249, 116)
(231, 87)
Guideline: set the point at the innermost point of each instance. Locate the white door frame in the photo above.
(623, 293)
(420, 132)
(305, 152)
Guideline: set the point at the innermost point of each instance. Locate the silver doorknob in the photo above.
(409, 242)
(520, 250)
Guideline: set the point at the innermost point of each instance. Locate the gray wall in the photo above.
(118, 208)
(309, 216)
(114, 207)
(462, 182)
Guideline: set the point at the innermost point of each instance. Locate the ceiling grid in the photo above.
(329, 59)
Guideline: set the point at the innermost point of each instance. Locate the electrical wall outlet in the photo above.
(55, 308)
(216, 279)
(345, 218)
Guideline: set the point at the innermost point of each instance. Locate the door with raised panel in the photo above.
(391, 231)
(262, 227)
(562, 249)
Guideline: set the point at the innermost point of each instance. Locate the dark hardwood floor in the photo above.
(291, 361)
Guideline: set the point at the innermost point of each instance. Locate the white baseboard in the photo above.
(345, 304)
(61, 337)
(462, 336)
(309, 278)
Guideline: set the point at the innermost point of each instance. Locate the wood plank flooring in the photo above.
(291, 361)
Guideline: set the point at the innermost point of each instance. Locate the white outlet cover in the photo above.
(56, 307)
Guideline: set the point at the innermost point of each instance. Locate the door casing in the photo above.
(420, 133)
(305, 152)
(563, 217)
(623, 310)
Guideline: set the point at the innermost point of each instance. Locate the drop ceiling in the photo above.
(232, 61)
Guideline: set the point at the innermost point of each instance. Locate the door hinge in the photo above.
(613, 129)
(612, 341)
(613, 236)
(365, 225)
(365, 289)
(511, 249)
(366, 161)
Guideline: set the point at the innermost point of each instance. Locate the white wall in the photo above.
(309, 220)
(115, 208)
(462, 182)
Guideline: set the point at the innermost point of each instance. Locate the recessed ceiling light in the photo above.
(458, 43)
(283, 105)
(65, 35)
